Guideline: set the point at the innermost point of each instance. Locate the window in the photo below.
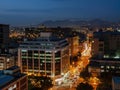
(57, 54)
(107, 67)
(101, 45)
(112, 67)
(100, 49)
(102, 66)
(102, 70)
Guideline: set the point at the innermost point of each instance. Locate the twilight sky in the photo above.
(26, 12)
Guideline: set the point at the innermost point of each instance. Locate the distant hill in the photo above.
(76, 23)
(64, 23)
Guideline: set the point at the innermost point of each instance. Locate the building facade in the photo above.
(104, 65)
(4, 36)
(106, 44)
(74, 45)
(6, 61)
(116, 83)
(44, 56)
(97, 48)
(13, 79)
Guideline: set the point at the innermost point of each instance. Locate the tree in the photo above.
(106, 80)
(40, 83)
(104, 86)
(84, 86)
(85, 74)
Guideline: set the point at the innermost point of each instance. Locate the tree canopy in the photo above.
(40, 83)
(84, 86)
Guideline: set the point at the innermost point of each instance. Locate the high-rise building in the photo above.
(97, 47)
(4, 36)
(46, 55)
(74, 45)
(106, 44)
(105, 52)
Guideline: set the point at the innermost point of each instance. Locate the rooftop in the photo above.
(105, 59)
(3, 24)
(5, 55)
(13, 68)
(102, 34)
(116, 80)
(45, 43)
(4, 79)
(94, 64)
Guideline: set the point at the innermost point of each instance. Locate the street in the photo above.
(71, 79)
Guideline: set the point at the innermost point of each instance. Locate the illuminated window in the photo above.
(102, 66)
(107, 71)
(8, 59)
(41, 64)
(24, 50)
(108, 67)
(102, 70)
(112, 67)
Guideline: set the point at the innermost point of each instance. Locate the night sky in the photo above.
(26, 12)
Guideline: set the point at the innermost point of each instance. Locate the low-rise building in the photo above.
(94, 69)
(104, 65)
(116, 83)
(6, 61)
(13, 79)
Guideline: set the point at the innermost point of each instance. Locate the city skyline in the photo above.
(26, 12)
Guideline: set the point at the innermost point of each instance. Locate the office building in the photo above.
(46, 55)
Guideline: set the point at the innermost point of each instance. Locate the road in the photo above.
(71, 79)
